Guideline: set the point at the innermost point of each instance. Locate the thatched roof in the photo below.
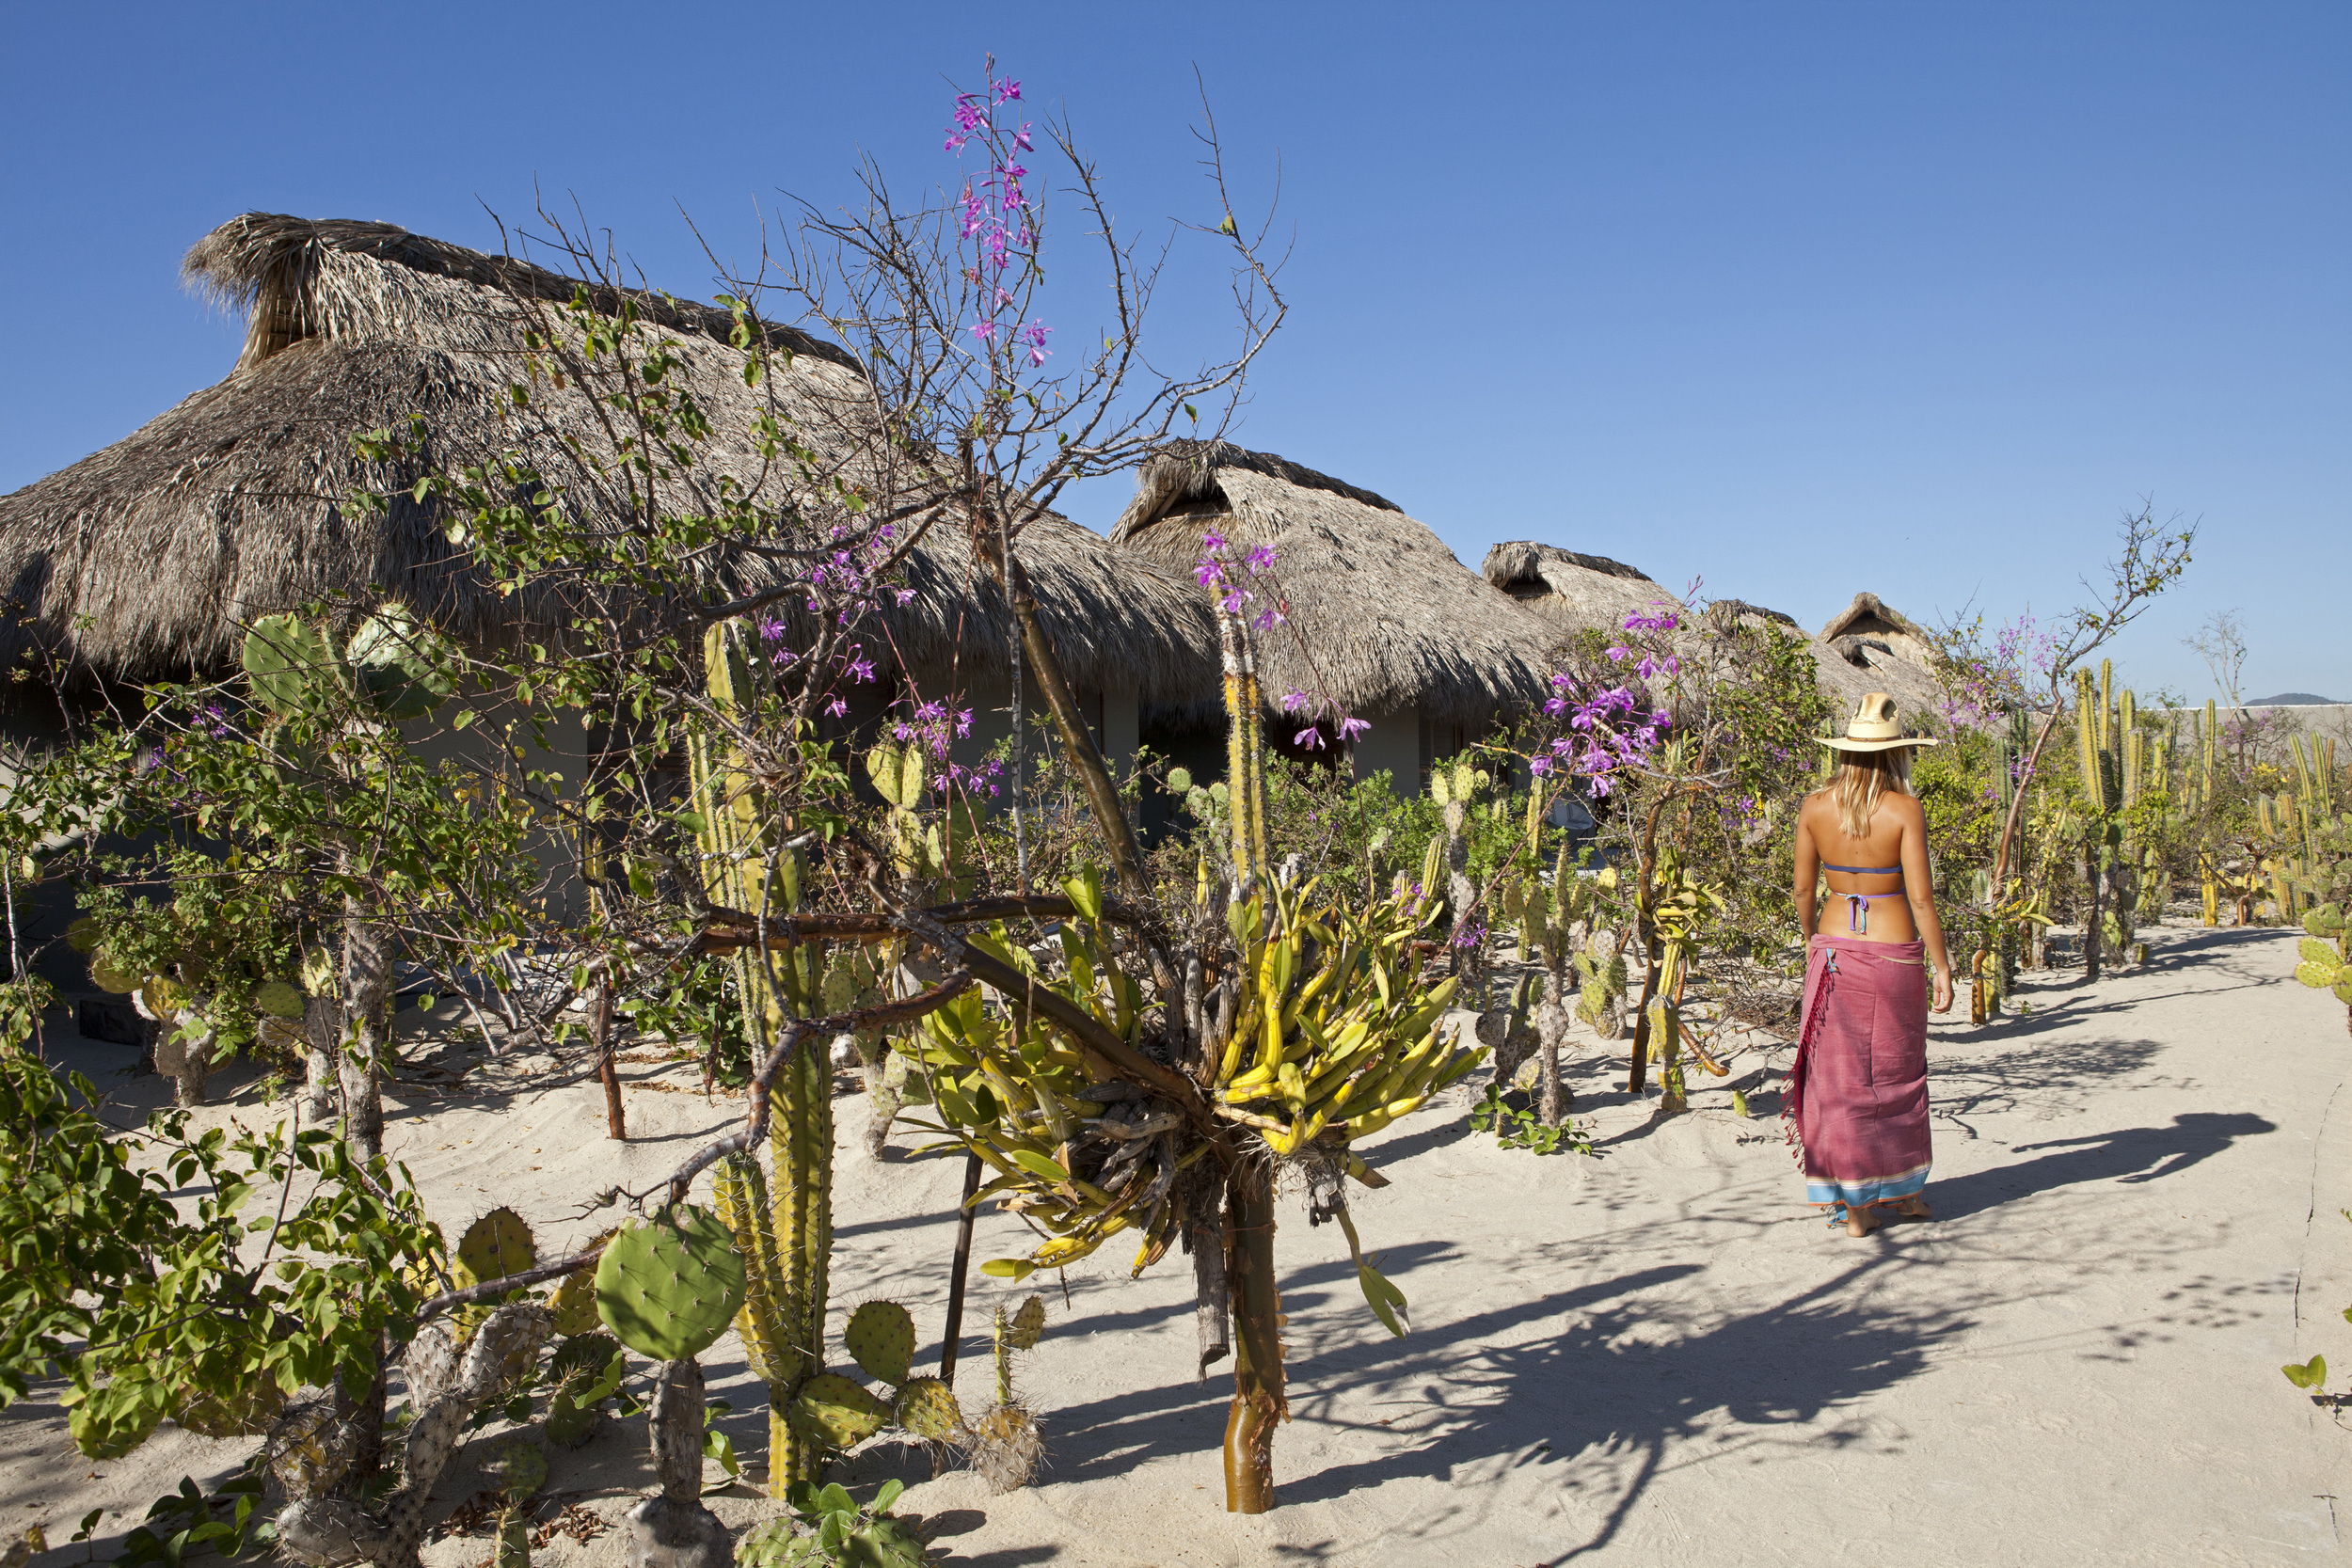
(142, 561)
(1868, 648)
(1392, 619)
(1577, 592)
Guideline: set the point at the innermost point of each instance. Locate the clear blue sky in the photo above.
(1801, 298)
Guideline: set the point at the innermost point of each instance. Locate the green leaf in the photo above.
(1086, 892)
(1008, 1268)
(2310, 1374)
(886, 1495)
(1387, 1302)
(1029, 1160)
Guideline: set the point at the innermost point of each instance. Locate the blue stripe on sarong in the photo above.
(1861, 1194)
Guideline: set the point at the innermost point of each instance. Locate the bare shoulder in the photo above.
(1906, 808)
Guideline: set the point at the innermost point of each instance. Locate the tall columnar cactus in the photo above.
(737, 833)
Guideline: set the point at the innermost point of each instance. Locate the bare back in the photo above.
(1893, 858)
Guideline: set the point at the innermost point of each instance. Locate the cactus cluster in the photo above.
(313, 1447)
(836, 1531)
(842, 1413)
(1005, 1448)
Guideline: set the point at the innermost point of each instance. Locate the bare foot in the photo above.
(1860, 1222)
(1914, 1209)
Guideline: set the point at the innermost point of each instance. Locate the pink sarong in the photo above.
(1857, 1097)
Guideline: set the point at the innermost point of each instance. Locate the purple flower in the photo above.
(1540, 767)
(1310, 738)
(905, 596)
(1293, 702)
(1351, 728)
(1259, 559)
(1008, 91)
(838, 706)
(1233, 602)
(862, 669)
(985, 330)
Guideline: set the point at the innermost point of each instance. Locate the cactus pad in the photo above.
(582, 1358)
(840, 1412)
(927, 1407)
(522, 1468)
(497, 1244)
(767, 1545)
(575, 1305)
(106, 977)
(668, 1287)
(278, 999)
(1028, 1325)
(311, 1448)
(881, 1338)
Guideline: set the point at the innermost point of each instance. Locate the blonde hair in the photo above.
(1863, 777)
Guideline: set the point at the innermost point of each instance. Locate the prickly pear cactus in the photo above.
(768, 1544)
(927, 1407)
(668, 1287)
(838, 1411)
(879, 1337)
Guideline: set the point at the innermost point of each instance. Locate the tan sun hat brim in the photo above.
(1845, 744)
(1874, 728)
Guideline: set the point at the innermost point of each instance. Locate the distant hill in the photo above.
(2292, 699)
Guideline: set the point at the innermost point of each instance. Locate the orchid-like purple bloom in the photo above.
(1310, 738)
(1351, 728)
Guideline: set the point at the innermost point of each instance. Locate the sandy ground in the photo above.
(1655, 1355)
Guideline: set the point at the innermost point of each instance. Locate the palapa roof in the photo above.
(1577, 592)
(1389, 618)
(144, 560)
(1869, 647)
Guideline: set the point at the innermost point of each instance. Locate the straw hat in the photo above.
(1873, 728)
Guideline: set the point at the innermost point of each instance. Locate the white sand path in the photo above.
(1656, 1356)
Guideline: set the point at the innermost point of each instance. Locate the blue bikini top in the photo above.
(1858, 904)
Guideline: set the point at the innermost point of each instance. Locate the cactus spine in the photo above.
(736, 835)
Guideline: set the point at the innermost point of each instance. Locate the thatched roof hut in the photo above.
(1869, 647)
(1385, 619)
(143, 561)
(1389, 618)
(1571, 590)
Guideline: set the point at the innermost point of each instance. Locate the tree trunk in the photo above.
(1079, 751)
(608, 1070)
(1258, 1402)
(1640, 1073)
(1551, 1028)
(321, 1029)
(2094, 879)
(367, 1029)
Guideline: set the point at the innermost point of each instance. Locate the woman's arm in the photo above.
(1921, 894)
(1806, 881)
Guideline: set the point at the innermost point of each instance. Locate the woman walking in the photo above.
(1857, 1097)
